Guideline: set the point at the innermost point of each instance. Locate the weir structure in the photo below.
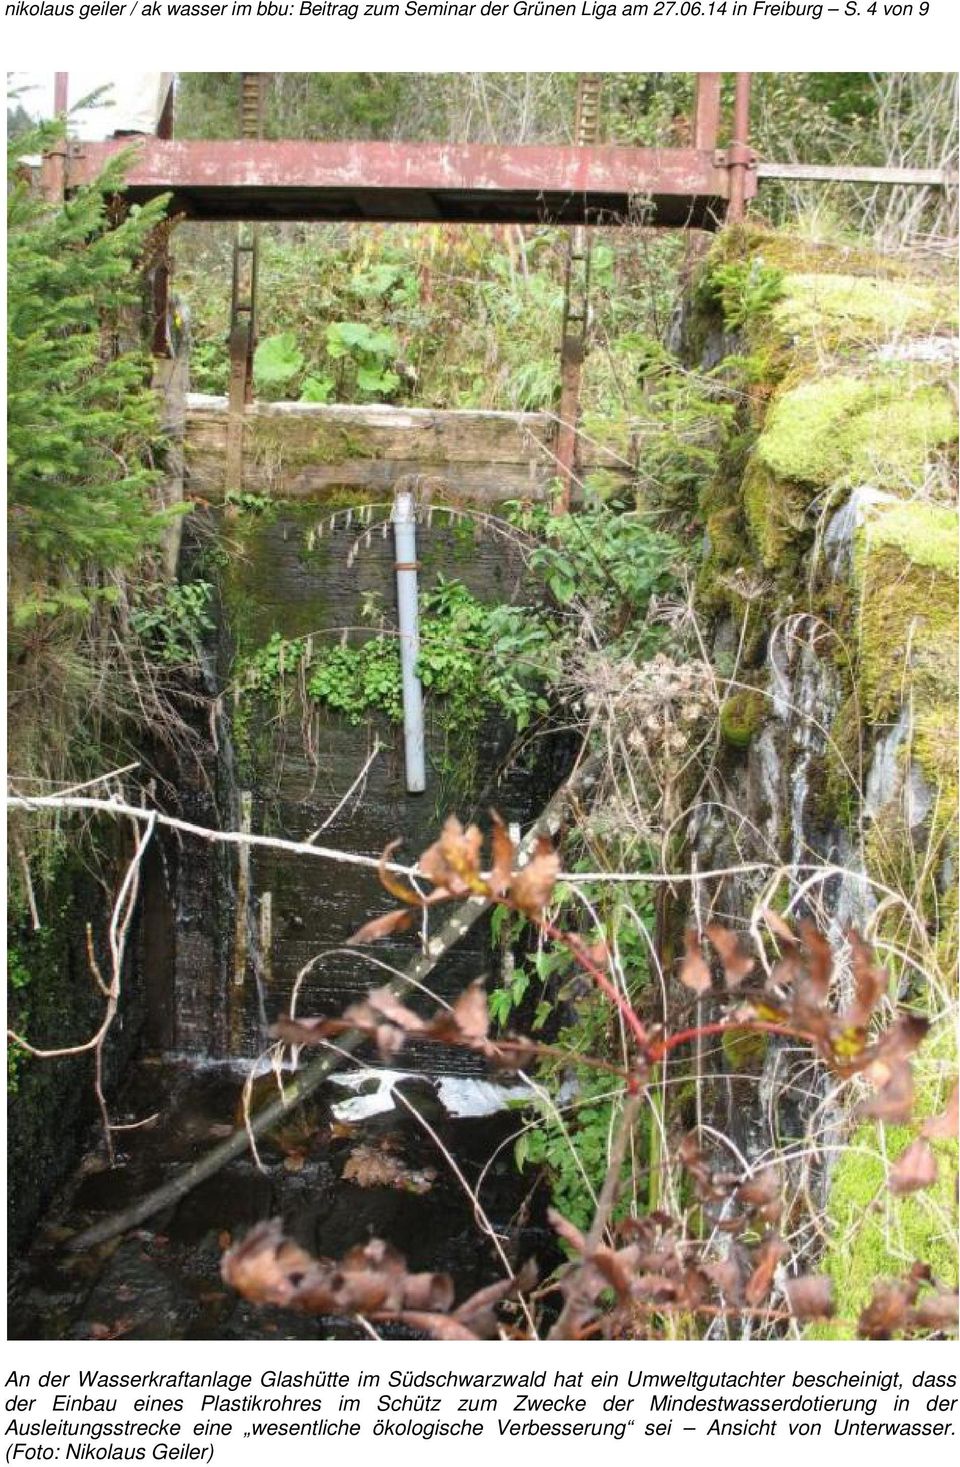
(697, 185)
(252, 180)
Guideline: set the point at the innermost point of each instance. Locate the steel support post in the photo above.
(576, 305)
(740, 157)
(243, 297)
(706, 111)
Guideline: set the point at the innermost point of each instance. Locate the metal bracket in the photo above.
(738, 154)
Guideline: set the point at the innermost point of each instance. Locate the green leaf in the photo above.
(544, 1010)
(277, 359)
(317, 388)
(371, 379)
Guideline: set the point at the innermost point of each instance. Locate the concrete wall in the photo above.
(274, 576)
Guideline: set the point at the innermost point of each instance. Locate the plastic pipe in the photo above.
(408, 615)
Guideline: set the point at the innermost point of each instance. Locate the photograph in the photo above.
(482, 708)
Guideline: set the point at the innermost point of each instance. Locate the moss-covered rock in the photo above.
(775, 514)
(726, 535)
(822, 410)
(925, 533)
(857, 429)
(741, 716)
(906, 580)
(832, 401)
(844, 308)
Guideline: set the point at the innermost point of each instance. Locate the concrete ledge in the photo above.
(301, 450)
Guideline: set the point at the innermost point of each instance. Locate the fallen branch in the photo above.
(819, 871)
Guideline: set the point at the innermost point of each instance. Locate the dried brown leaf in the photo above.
(725, 1276)
(265, 1267)
(370, 1166)
(430, 1291)
(936, 1311)
(903, 1037)
(870, 983)
(914, 1169)
(532, 886)
(779, 928)
(268, 1268)
(399, 920)
(765, 1259)
(737, 965)
(565, 1230)
(452, 863)
(618, 1270)
(810, 1296)
(819, 957)
(887, 1311)
(657, 1287)
(760, 1189)
(694, 970)
(502, 856)
(478, 1312)
(943, 1127)
(893, 1101)
(392, 883)
(305, 1031)
(471, 1012)
(383, 1003)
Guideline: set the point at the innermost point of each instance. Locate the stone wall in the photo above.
(829, 588)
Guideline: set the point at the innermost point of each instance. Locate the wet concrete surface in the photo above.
(291, 768)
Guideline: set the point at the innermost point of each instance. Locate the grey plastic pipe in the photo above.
(405, 541)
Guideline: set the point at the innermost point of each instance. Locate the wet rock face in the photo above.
(829, 583)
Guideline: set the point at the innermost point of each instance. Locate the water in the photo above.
(163, 1281)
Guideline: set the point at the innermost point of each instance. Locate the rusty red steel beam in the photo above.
(53, 169)
(406, 181)
(706, 110)
(741, 161)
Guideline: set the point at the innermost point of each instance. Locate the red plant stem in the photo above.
(660, 1047)
(574, 946)
(655, 1049)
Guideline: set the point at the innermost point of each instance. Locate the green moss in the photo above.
(908, 631)
(744, 1050)
(741, 715)
(908, 628)
(839, 792)
(805, 254)
(843, 307)
(925, 533)
(875, 1234)
(727, 540)
(775, 514)
(841, 429)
